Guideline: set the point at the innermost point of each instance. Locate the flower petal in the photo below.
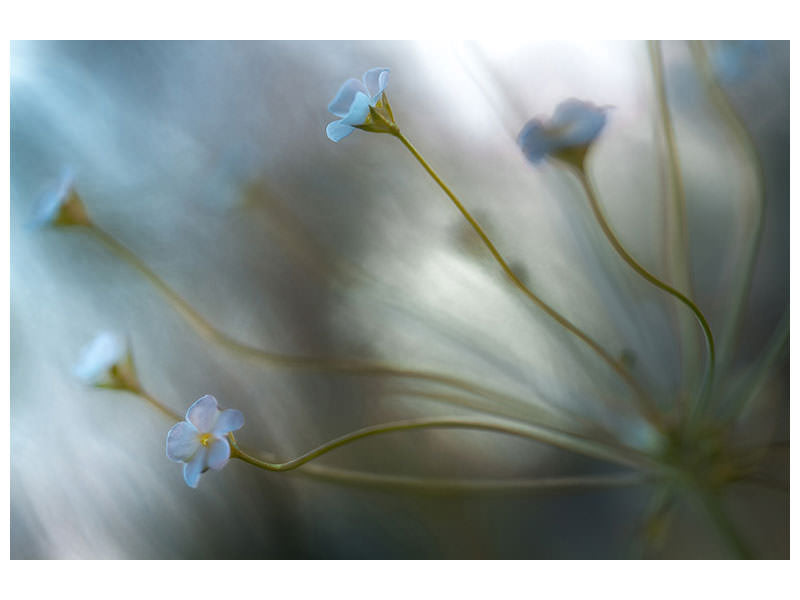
(97, 358)
(195, 467)
(337, 130)
(340, 105)
(358, 110)
(47, 210)
(534, 141)
(376, 81)
(218, 453)
(203, 413)
(229, 420)
(577, 122)
(182, 442)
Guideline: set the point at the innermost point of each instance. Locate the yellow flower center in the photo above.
(205, 439)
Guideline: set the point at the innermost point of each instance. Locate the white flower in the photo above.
(353, 102)
(106, 362)
(61, 206)
(574, 126)
(199, 441)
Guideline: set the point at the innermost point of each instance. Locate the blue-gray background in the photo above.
(209, 160)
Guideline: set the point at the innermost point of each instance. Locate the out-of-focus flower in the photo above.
(61, 206)
(355, 103)
(106, 362)
(199, 441)
(567, 136)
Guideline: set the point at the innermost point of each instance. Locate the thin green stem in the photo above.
(546, 435)
(431, 484)
(678, 189)
(620, 249)
(745, 140)
(648, 409)
(347, 366)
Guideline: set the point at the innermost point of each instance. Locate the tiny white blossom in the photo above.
(106, 362)
(200, 441)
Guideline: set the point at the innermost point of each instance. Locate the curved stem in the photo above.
(678, 191)
(545, 435)
(648, 409)
(351, 367)
(619, 248)
(431, 484)
(745, 140)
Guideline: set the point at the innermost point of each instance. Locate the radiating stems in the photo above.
(348, 366)
(546, 435)
(645, 404)
(620, 249)
(737, 128)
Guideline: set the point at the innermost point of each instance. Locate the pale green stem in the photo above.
(644, 273)
(431, 484)
(647, 407)
(745, 140)
(725, 526)
(678, 190)
(546, 435)
(351, 367)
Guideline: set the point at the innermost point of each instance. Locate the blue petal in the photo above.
(340, 105)
(182, 442)
(534, 141)
(218, 453)
(337, 131)
(376, 80)
(359, 110)
(229, 420)
(203, 413)
(575, 122)
(195, 467)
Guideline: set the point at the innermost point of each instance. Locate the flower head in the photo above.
(567, 136)
(106, 362)
(361, 104)
(200, 441)
(61, 206)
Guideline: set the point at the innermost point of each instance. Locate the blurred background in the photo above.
(210, 162)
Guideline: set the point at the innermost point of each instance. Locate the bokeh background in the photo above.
(210, 161)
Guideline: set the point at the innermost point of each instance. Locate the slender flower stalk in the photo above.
(645, 404)
(648, 276)
(345, 366)
(744, 140)
(547, 435)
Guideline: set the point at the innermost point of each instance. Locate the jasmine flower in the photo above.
(200, 441)
(567, 136)
(357, 102)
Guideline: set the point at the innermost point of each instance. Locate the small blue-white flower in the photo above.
(567, 136)
(106, 362)
(200, 441)
(353, 103)
(60, 206)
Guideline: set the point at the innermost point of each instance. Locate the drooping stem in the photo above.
(347, 366)
(644, 273)
(645, 404)
(547, 435)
